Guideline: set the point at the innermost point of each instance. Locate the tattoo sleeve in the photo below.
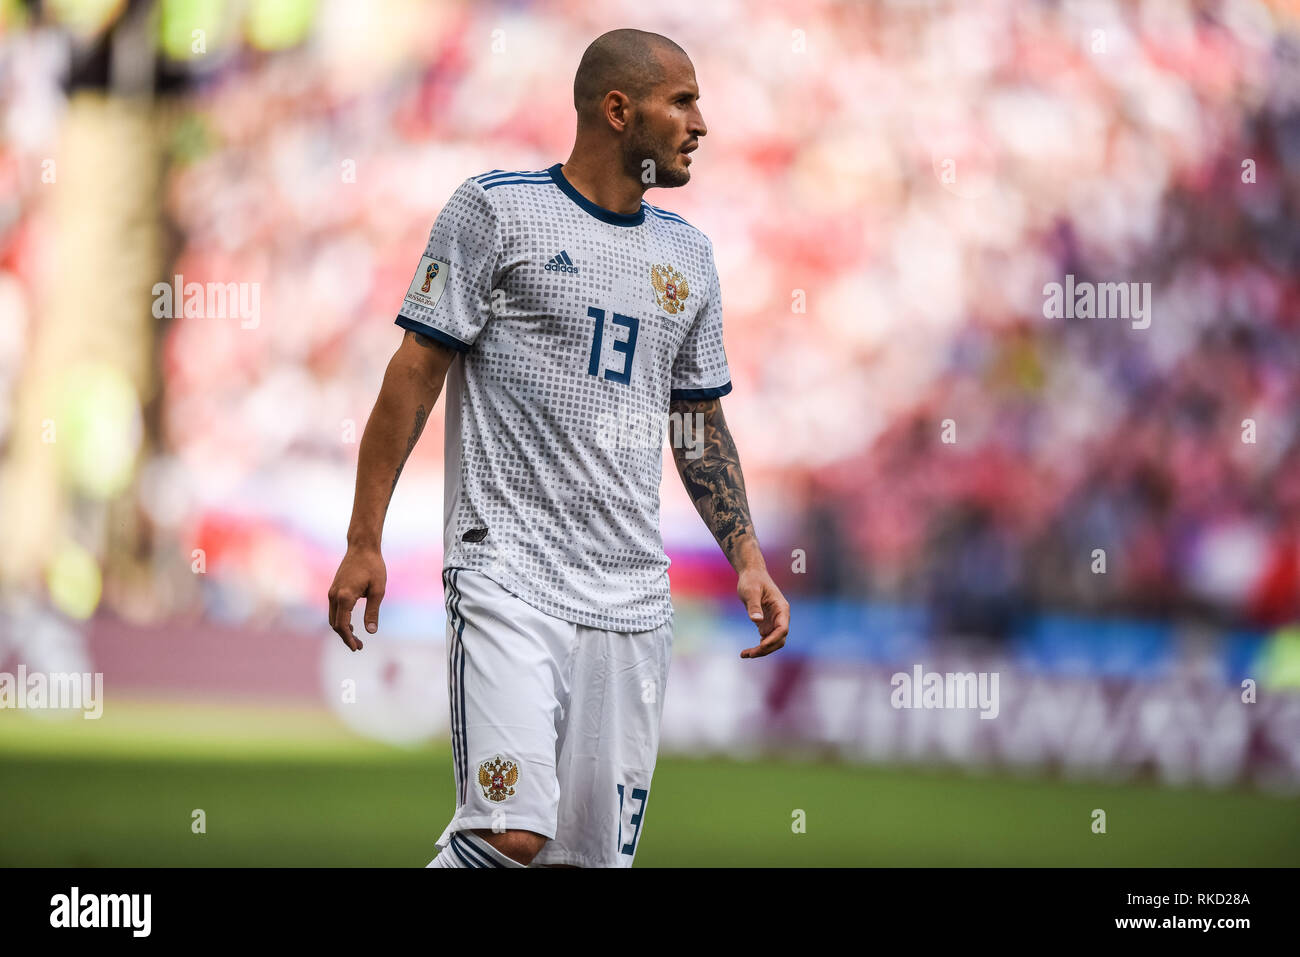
(710, 470)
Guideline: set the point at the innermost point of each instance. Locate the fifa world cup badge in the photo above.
(430, 275)
(670, 289)
(498, 778)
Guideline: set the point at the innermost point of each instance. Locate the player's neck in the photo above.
(604, 184)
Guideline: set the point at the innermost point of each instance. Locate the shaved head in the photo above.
(624, 60)
(635, 93)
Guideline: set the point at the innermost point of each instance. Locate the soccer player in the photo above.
(561, 310)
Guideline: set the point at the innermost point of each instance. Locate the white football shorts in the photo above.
(554, 725)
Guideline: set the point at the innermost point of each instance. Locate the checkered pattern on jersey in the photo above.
(575, 326)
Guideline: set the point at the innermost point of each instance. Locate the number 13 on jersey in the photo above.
(626, 346)
(634, 825)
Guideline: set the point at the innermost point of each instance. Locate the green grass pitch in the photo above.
(292, 788)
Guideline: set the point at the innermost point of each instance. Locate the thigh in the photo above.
(608, 746)
(507, 665)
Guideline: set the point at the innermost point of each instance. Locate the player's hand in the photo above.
(361, 574)
(768, 610)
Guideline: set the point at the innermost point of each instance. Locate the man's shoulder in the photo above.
(673, 220)
(681, 230)
(505, 195)
(497, 185)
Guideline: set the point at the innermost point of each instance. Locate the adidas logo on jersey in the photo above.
(561, 262)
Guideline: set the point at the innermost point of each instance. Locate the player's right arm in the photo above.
(412, 383)
(446, 306)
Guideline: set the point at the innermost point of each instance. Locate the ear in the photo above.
(617, 108)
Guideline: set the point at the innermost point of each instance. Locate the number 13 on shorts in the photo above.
(631, 812)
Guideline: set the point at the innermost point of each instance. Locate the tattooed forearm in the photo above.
(421, 415)
(713, 479)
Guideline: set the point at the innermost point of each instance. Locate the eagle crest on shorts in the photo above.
(498, 777)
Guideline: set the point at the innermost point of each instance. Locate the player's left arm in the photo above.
(710, 470)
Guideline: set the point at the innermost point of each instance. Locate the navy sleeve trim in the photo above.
(694, 394)
(423, 329)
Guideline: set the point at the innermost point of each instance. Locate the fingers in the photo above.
(753, 599)
(777, 624)
(773, 642)
(774, 627)
(373, 598)
(341, 604)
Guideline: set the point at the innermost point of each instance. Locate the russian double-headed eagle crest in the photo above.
(670, 289)
(498, 778)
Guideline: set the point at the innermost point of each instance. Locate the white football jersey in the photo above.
(575, 326)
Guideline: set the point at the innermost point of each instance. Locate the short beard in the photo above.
(639, 147)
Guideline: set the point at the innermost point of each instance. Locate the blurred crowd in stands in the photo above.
(888, 188)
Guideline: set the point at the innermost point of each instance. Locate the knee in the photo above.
(521, 846)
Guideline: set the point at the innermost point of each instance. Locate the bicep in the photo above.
(704, 407)
(426, 356)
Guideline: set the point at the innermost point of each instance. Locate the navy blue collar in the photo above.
(600, 212)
